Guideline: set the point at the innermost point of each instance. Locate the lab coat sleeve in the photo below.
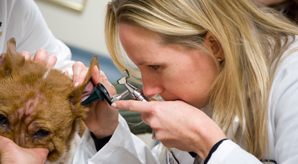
(27, 25)
(123, 147)
(230, 153)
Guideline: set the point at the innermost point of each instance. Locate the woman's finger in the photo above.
(99, 76)
(65, 71)
(26, 54)
(103, 77)
(42, 153)
(134, 106)
(95, 75)
(79, 73)
(51, 61)
(40, 56)
(4, 142)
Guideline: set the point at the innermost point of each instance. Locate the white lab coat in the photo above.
(22, 20)
(125, 148)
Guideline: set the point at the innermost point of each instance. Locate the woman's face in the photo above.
(173, 71)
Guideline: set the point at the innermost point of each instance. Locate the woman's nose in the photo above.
(151, 86)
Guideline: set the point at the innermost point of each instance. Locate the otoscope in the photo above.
(101, 93)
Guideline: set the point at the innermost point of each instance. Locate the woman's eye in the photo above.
(3, 121)
(41, 134)
(155, 67)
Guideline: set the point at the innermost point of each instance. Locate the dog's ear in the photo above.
(10, 60)
(78, 92)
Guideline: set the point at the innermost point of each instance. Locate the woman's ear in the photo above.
(214, 46)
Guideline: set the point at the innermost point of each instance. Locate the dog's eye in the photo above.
(41, 134)
(3, 121)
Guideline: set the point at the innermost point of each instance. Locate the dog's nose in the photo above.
(19, 139)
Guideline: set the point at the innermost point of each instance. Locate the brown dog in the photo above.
(40, 107)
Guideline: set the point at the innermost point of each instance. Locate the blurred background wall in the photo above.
(82, 29)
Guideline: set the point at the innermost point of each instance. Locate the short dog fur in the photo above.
(40, 107)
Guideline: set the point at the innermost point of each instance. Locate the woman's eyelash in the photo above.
(155, 67)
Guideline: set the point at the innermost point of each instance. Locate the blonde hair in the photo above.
(251, 38)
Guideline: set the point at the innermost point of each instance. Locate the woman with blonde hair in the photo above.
(227, 71)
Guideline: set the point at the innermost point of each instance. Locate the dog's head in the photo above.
(39, 107)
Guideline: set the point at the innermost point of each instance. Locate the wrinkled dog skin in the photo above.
(40, 107)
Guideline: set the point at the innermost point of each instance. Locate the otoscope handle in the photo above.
(138, 95)
(100, 93)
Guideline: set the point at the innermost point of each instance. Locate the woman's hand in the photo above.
(177, 124)
(41, 56)
(11, 153)
(102, 119)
